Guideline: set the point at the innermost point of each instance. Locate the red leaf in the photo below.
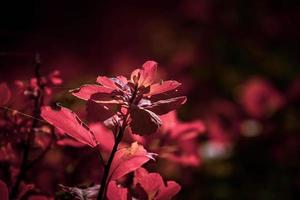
(110, 100)
(154, 186)
(3, 191)
(5, 94)
(94, 109)
(86, 91)
(115, 192)
(144, 122)
(164, 106)
(163, 87)
(128, 159)
(67, 121)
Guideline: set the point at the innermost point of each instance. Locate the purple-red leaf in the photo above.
(110, 100)
(89, 193)
(164, 106)
(98, 112)
(68, 122)
(144, 122)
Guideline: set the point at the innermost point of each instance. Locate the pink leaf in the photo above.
(150, 182)
(149, 69)
(163, 87)
(128, 159)
(107, 82)
(123, 79)
(3, 191)
(164, 106)
(68, 122)
(55, 78)
(145, 76)
(169, 191)
(86, 91)
(104, 136)
(144, 122)
(5, 94)
(110, 100)
(115, 192)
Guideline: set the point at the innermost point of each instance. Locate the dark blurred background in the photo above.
(212, 46)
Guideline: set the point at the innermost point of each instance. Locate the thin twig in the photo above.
(38, 101)
(21, 113)
(42, 155)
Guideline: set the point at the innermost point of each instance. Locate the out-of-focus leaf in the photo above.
(3, 191)
(39, 197)
(154, 186)
(5, 94)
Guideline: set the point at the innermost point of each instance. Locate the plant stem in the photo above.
(108, 164)
(118, 139)
(43, 153)
(38, 100)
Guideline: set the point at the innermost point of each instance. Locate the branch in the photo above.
(38, 101)
(108, 165)
(42, 155)
(118, 139)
